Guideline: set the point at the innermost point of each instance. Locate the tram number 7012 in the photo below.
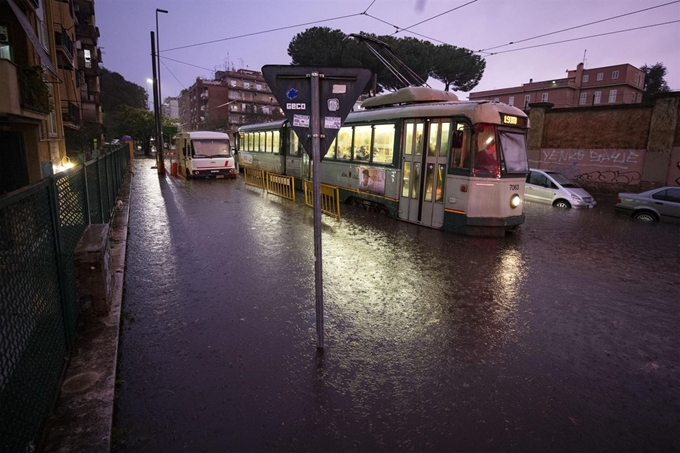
(514, 187)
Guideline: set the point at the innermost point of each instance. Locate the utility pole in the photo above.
(156, 111)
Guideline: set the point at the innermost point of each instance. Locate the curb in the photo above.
(83, 415)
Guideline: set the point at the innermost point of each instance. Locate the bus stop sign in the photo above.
(339, 88)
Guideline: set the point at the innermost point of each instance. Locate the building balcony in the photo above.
(64, 48)
(23, 92)
(204, 95)
(70, 114)
(89, 96)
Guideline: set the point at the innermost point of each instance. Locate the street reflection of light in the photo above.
(510, 277)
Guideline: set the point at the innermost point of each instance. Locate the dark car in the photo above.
(656, 205)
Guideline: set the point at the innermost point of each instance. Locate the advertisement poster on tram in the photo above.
(372, 180)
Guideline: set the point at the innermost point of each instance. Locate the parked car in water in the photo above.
(656, 205)
(546, 186)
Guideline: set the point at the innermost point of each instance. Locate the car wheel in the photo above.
(645, 216)
(562, 204)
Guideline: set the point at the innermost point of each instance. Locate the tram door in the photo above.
(426, 145)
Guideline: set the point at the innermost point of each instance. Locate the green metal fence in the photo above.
(39, 229)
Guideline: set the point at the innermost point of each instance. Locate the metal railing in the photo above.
(253, 177)
(40, 226)
(281, 185)
(330, 198)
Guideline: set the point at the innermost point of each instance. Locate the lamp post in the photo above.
(159, 114)
(149, 97)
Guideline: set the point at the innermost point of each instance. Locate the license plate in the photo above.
(214, 171)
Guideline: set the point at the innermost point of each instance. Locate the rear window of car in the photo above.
(672, 195)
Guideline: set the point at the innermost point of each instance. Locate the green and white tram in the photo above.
(418, 154)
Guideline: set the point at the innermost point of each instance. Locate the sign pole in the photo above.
(316, 181)
(316, 101)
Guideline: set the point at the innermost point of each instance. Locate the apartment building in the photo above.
(171, 108)
(230, 100)
(619, 84)
(43, 76)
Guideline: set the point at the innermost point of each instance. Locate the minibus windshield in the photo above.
(211, 148)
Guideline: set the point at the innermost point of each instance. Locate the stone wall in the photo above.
(609, 149)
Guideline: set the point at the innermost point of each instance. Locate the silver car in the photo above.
(656, 205)
(545, 186)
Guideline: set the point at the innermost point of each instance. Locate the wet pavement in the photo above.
(562, 338)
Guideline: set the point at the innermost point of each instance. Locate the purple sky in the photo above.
(482, 24)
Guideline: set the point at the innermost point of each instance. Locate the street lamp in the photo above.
(149, 99)
(159, 112)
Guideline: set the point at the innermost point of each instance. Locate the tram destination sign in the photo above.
(339, 88)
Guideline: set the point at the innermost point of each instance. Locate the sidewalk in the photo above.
(83, 416)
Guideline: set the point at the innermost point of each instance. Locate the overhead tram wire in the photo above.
(265, 32)
(585, 37)
(575, 27)
(439, 15)
(171, 73)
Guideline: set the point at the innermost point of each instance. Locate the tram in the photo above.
(417, 154)
(204, 154)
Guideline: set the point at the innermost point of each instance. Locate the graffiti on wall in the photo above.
(621, 166)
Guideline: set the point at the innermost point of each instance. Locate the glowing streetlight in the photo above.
(149, 98)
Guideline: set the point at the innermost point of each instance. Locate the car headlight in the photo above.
(575, 197)
(515, 200)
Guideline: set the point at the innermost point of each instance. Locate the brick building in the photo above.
(49, 86)
(232, 99)
(610, 85)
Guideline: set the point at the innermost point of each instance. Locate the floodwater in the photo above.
(561, 338)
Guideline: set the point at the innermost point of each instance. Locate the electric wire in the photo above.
(264, 32)
(172, 74)
(578, 26)
(584, 37)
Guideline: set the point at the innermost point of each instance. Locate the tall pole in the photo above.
(156, 108)
(316, 182)
(161, 162)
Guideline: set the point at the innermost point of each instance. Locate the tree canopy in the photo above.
(117, 92)
(458, 68)
(654, 81)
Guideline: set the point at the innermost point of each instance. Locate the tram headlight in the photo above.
(515, 200)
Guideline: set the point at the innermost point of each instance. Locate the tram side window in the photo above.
(362, 142)
(331, 150)
(460, 146)
(275, 142)
(383, 143)
(344, 140)
(293, 143)
(267, 142)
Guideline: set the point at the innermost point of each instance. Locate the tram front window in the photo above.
(486, 156)
(514, 149)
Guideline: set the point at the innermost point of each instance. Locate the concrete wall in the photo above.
(609, 148)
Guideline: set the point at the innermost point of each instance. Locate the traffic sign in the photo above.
(338, 89)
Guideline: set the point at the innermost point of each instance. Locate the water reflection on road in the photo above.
(560, 338)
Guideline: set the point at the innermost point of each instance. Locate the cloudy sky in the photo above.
(198, 37)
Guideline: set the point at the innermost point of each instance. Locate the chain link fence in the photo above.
(39, 228)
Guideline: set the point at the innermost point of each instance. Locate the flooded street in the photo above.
(561, 338)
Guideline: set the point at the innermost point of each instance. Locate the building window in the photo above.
(527, 99)
(583, 99)
(258, 86)
(600, 76)
(495, 99)
(246, 84)
(615, 75)
(88, 58)
(596, 97)
(612, 96)
(232, 83)
(585, 78)
(511, 100)
(636, 78)
(544, 97)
